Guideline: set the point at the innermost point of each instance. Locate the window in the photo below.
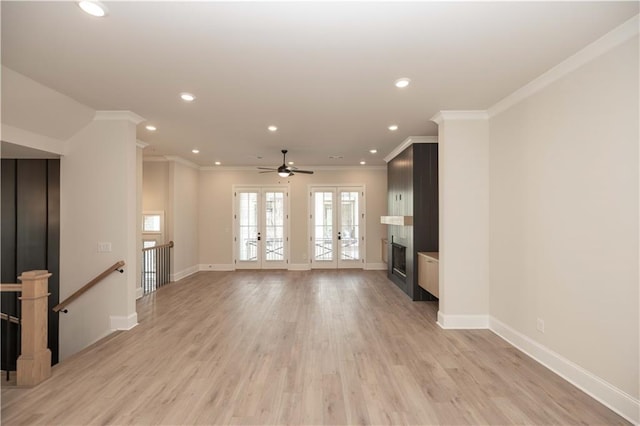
(151, 223)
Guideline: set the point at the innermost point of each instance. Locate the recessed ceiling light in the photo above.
(217, 163)
(393, 127)
(363, 163)
(151, 128)
(195, 151)
(402, 82)
(373, 151)
(93, 8)
(272, 128)
(291, 163)
(187, 97)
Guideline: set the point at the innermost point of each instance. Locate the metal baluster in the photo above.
(159, 266)
(6, 349)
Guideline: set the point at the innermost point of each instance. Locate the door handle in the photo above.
(258, 236)
(339, 236)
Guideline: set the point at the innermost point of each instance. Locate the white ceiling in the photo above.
(322, 72)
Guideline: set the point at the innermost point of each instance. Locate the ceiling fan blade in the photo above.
(308, 172)
(266, 168)
(268, 171)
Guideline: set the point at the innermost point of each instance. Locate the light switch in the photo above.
(104, 247)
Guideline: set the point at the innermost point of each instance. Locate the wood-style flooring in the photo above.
(300, 348)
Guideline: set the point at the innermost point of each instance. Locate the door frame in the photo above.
(261, 189)
(336, 264)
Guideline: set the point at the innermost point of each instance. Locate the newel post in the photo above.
(34, 362)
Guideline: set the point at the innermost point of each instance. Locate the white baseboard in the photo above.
(216, 267)
(617, 400)
(299, 267)
(139, 292)
(124, 323)
(452, 322)
(380, 266)
(184, 273)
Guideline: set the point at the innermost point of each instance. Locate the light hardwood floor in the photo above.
(276, 347)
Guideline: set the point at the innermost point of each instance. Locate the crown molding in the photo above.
(118, 115)
(441, 116)
(607, 42)
(141, 144)
(407, 142)
(182, 161)
(155, 159)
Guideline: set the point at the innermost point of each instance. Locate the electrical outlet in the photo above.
(540, 325)
(104, 247)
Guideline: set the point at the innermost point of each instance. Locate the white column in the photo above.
(463, 162)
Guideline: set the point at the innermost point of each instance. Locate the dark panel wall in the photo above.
(31, 231)
(413, 191)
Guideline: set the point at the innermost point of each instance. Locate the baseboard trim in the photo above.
(454, 322)
(617, 400)
(299, 267)
(139, 292)
(184, 273)
(216, 267)
(122, 322)
(380, 266)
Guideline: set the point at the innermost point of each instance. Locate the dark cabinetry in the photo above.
(413, 191)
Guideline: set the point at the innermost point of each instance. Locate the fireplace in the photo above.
(399, 260)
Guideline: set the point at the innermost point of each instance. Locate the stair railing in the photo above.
(156, 267)
(62, 305)
(34, 363)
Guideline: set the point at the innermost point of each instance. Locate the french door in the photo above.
(336, 227)
(261, 227)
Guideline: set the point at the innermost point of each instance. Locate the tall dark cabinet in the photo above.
(412, 191)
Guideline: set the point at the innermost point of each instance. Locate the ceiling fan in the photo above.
(284, 170)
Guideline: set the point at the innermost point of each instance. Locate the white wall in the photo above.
(216, 207)
(155, 186)
(463, 166)
(564, 217)
(98, 204)
(182, 226)
(97, 200)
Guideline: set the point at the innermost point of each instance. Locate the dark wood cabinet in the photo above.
(413, 191)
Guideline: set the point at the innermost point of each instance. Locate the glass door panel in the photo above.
(336, 227)
(274, 226)
(323, 230)
(247, 217)
(349, 234)
(260, 228)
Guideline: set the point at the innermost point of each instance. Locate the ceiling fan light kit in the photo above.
(284, 170)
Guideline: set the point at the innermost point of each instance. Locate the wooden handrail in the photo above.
(9, 318)
(115, 267)
(169, 244)
(10, 287)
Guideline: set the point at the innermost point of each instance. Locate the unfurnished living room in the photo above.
(313, 213)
